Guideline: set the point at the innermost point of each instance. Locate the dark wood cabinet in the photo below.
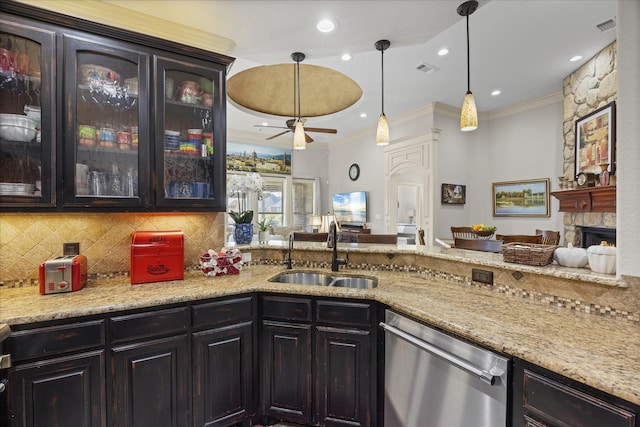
(594, 199)
(545, 399)
(318, 361)
(150, 383)
(223, 362)
(100, 91)
(343, 377)
(65, 391)
(58, 376)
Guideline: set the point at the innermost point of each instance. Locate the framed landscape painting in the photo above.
(521, 198)
(595, 140)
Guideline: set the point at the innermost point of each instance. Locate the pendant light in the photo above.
(382, 134)
(469, 113)
(299, 142)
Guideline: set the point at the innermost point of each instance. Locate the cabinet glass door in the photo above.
(190, 152)
(26, 110)
(107, 135)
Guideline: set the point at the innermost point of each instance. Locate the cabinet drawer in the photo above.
(286, 308)
(343, 313)
(149, 324)
(220, 312)
(563, 405)
(42, 342)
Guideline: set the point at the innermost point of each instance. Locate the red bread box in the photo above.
(157, 256)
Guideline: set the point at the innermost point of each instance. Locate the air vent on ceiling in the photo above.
(607, 25)
(426, 68)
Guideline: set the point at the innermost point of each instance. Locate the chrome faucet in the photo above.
(287, 261)
(333, 236)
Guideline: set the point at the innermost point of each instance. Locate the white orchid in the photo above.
(239, 186)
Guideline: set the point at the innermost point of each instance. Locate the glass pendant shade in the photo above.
(382, 135)
(299, 142)
(469, 114)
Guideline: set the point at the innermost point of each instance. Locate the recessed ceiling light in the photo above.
(265, 124)
(346, 57)
(443, 51)
(575, 58)
(326, 26)
(363, 115)
(496, 92)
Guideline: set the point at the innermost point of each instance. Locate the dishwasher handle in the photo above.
(430, 348)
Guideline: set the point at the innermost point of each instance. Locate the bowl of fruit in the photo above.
(483, 231)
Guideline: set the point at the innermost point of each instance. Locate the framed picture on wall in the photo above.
(453, 194)
(521, 198)
(595, 140)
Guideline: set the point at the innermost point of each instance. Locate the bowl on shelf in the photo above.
(16, 127)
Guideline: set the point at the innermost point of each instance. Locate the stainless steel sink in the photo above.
(354, 282)
(304, 278)
(321, 279)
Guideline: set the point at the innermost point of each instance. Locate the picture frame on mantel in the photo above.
(595, 140)
(453, 194)
(526, 198)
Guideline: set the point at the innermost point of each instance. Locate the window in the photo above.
(285, 202)
(272, 204)
(304, 197)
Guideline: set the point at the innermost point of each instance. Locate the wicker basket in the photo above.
(528, 253)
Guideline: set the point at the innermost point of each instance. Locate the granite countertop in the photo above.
(597, 351)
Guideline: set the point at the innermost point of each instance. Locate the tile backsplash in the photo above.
(27, 240)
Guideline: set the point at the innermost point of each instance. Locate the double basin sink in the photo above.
(323, 279)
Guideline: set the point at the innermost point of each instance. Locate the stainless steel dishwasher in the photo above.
(435, 380)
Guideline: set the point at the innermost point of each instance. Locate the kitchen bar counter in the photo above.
(599, 352)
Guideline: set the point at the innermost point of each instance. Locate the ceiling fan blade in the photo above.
(322, 130)
(266, 126)
(307, 138)
(281, 133)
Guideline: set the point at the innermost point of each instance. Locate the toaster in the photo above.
(67, 273)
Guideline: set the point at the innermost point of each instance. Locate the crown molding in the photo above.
(119, 17)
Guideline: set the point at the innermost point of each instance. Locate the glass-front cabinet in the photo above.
(100, 118)
(107, 131)
(27, 137)
(188, 124)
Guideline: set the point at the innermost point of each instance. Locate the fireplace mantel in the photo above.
(593, 199)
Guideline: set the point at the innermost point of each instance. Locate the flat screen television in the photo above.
(350, 207)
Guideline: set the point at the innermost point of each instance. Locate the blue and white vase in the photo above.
(243, 234)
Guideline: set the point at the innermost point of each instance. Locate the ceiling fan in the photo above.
(290, 126)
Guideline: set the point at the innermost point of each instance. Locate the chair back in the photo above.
(463, 233)
(522, 238)
(378, 238)
(549, 237)
(299, 236)
(478, 245)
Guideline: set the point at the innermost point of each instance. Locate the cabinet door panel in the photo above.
(107, 132)
(286, 371)
(68, 391)
(150, 384)
(190, 134)
(27, 157)
(343, 377)
(222, 375)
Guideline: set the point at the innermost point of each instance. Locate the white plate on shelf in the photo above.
(15, 189)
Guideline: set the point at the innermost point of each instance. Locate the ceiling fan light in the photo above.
(382, 134)
(469, 114)
(299, 142)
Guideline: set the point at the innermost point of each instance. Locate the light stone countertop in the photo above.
(599, 352)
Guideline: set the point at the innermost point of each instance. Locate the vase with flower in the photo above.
(241, 187)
